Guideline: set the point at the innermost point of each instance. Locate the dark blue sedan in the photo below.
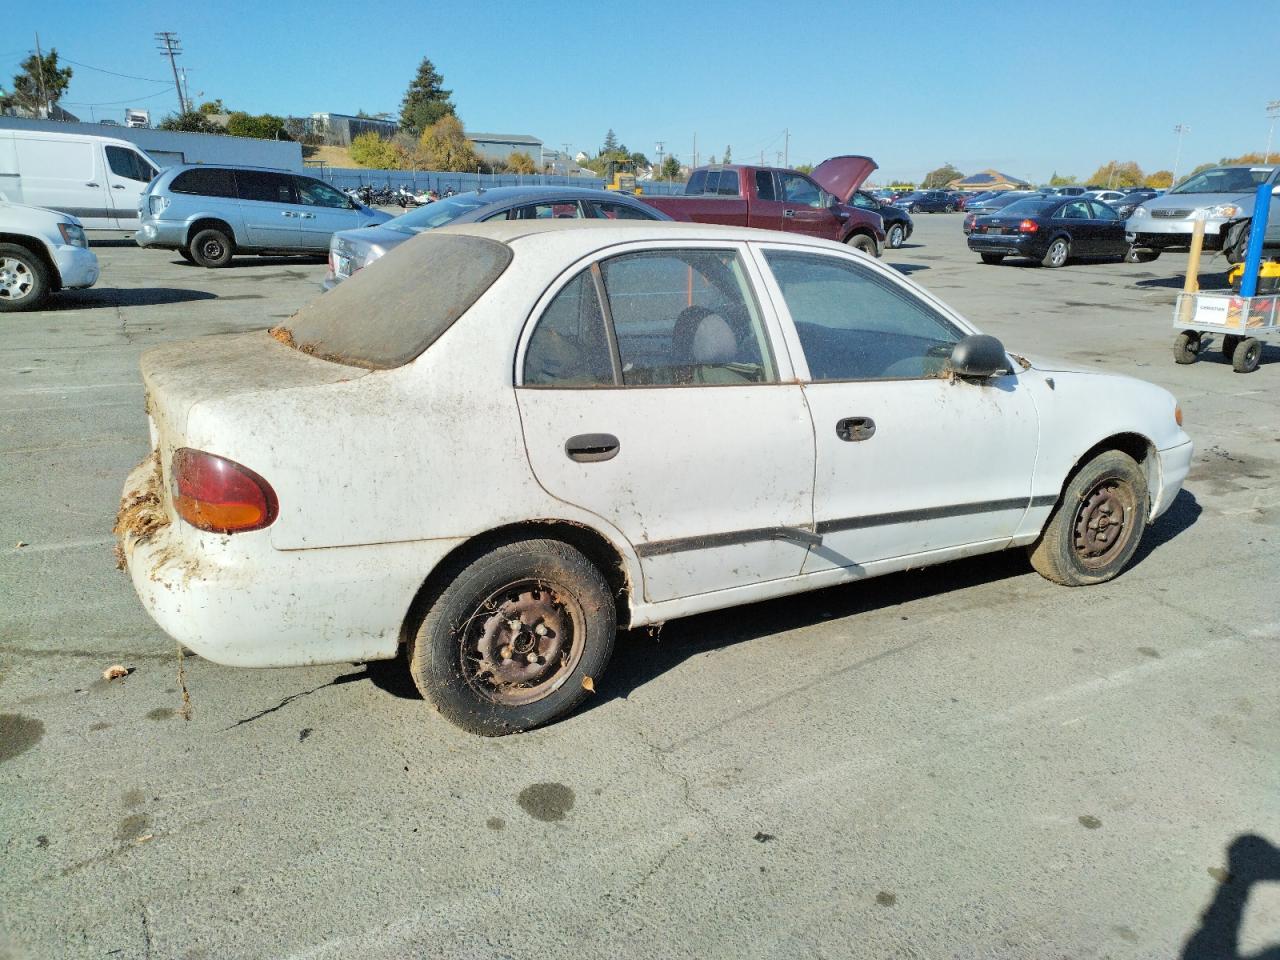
(1049, 230)
(349, 250)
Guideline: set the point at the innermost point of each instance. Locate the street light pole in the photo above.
(1273, 111)
(1179, 129)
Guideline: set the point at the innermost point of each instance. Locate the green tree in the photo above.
(370, 150)
(193, 121)
(728, 155)
(804, 168)
(1057, 181)
(426, 101)
(1160, 179)
(1255, 157)
(213, 106)
(611, 144)
(444, 146)
(941, 177)
(1116, 174)
(521, 162)
(39, 81)
(266, 126)
(671, 168)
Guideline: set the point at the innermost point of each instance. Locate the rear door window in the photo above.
(728, 185)
(1102, 212)
(570, 346)
(205, 182)
(608, 210)
(266, 187)
(559, 210)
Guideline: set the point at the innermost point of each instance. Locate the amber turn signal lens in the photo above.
(1177, 414)
(219, 495)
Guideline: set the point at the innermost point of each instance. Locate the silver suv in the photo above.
(210, 213)
(1225, 195)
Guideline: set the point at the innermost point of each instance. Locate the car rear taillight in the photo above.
(157, 203)
(1028, 226)
(219, 495)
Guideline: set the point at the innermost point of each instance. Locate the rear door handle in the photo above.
(91, 184)
(287, 213)
(592, 447)
(788, 213)
(117, 186)
(853, 429)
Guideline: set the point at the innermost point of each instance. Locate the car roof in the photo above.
(179, 167)
(502, 194)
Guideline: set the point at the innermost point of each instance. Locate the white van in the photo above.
(97, 179)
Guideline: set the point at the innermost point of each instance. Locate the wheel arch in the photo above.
(209, 223)
(38, 250)
(1136, 445)
(612, 563)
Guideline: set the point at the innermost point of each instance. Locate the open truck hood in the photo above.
(841, 176)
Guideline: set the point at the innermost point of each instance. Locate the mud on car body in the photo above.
(543, 430)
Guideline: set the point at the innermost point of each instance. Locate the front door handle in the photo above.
(853, 429)
(788, 213)
(287, 213)
(117, 186)
(592, 447)
(90, 184)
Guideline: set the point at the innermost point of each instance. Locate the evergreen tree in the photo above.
(610, 142)
(728, 155)
(426, 101)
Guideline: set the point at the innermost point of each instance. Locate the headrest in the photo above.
(713, 341)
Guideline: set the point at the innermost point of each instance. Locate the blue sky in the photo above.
(911, 84)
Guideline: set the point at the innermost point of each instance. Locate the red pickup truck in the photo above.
(774, 199)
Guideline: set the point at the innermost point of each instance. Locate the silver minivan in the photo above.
(211, 213)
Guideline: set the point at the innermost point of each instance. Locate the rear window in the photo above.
(212, 182)
(437, 214)
(1031, 208)
(391, 311)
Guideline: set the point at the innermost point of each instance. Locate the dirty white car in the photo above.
(41, 252)
(575, 425)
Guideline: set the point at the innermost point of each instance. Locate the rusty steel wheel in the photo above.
(521, 643)
(515, 636)
(1101, 523)
(1097, 525)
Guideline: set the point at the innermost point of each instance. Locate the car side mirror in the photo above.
(979, 356)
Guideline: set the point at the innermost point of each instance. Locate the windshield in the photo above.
(1224, 180)
(437, 214)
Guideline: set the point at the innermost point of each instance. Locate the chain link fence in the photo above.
(345, 178)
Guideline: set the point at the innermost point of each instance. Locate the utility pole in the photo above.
(44, 97)
(172, 47)
(186, 89)
(695, 150)
(786, 148)
(1179, 129)
(1273, 111)
(659, 149)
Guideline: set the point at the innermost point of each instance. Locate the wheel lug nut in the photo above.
(532, 658)
(505, 653)
(540, 629)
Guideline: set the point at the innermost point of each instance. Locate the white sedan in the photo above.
(576, 424)
(41, 251)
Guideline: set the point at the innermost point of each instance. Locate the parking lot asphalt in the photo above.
(963, 761)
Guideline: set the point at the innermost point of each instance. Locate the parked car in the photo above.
(41, 252)
(1132, 198)
(1106, 196)
(897, 222)
(1224, 194)
(352, 250)
(1069, 191)
(926, 201)
(1049, 230)
(982, 208)
(816, 204)
(211, 213)
(600, 423)
(97, 180)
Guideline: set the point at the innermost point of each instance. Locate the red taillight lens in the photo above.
(1028, 226)
(219, 495)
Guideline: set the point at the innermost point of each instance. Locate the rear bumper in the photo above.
(162, 234)
(1175, 463)
(237, 601)
(1013, 245)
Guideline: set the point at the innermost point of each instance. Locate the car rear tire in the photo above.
(24, 279)
(492, 678)
(211, 248)
(1057, 253)
(896, 236)
(914, 208)
(1186, 347)
(1097, 525)
(1247, 355)
(949, 208)
(860, 241)
(991, 259)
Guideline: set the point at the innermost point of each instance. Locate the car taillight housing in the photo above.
(1028, 226)
(219, 495)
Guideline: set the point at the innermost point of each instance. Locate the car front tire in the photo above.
(24, 279)
(860, 241)
(516, 638)
(896, 236)
(1097, 525)
(211, 248)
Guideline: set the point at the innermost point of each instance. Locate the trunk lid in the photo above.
(841, 176)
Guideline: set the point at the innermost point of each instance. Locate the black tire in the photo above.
(544, 581)
(185, 254)
(24, 279)
(1080, 544)
(1057, 254)
(895, 236)
(1141, 255)
(1229, 343)
(1247, 355)
(949, 208)
(860, 241)
(991, 259)
(913, 209)
(211, 248)
(1186, 347)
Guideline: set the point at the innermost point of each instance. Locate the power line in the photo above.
(127, 76)
(115, 103)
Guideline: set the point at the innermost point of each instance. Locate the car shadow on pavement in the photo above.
(124, 297)
(908, 268)
(1208, 281)
(235, 263)
(1251, 860)
(1181, 515)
